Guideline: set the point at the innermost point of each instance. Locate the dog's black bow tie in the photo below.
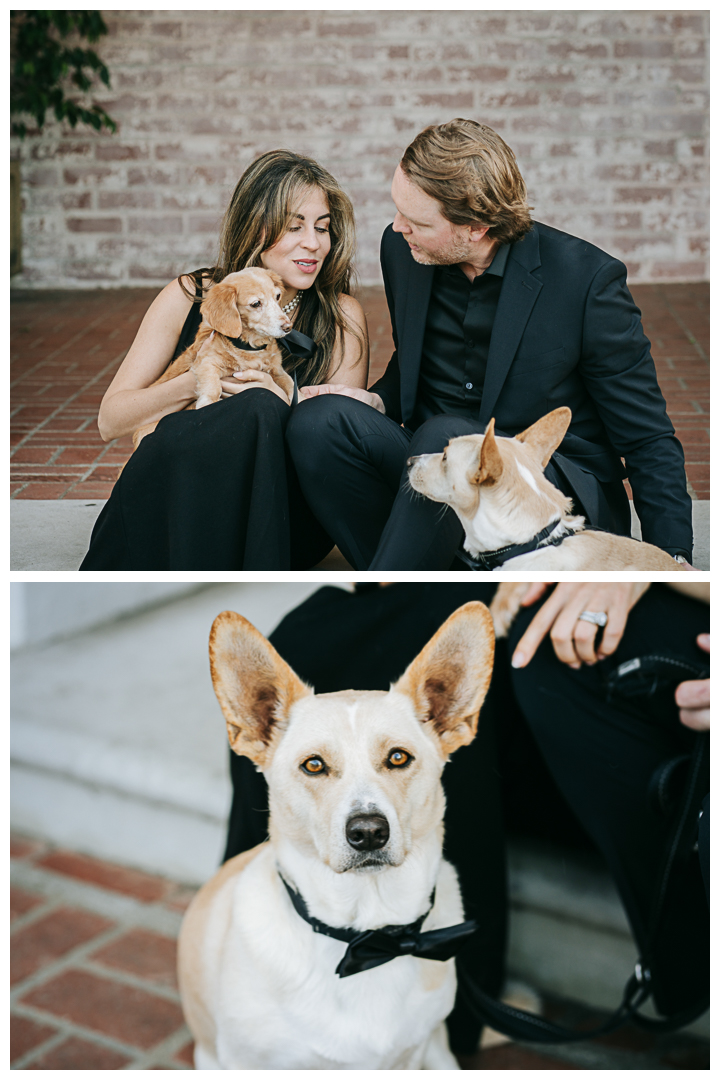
(299, 345)
(370, 948)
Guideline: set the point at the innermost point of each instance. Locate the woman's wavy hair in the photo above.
(474, 176)
(259, 213)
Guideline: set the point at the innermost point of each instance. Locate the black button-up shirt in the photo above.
(457, 339)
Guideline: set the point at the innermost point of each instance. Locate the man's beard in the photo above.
(448, 255)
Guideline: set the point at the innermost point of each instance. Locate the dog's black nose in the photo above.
(367, 832)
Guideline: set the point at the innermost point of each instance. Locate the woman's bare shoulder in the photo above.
(157, 336)
(173, 296)
(172, 304)
(352, 309)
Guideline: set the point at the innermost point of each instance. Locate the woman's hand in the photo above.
(366, 396)
(693, 697)
(574, 639)
(249, 379)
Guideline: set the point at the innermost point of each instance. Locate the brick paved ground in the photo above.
(66, 346)
(93, 979)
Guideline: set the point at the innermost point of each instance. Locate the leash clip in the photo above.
(643, 975)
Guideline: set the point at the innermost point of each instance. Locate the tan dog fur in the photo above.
(257, 984)
(497, 488)
(244, 304)
(506, 604)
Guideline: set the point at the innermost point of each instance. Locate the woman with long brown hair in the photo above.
(214, 489)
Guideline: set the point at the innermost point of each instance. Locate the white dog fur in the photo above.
(497, 488)
(258, 986)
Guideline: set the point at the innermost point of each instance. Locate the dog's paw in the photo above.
(506, 604)
(204, 400)
(518, 996)
(502, 621)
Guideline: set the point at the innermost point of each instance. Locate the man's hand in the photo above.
(574, 639)
(366, 396)
(693, 697)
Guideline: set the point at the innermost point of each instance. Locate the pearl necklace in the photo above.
(289, 308)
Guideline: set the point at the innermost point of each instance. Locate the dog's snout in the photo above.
(411, 461)
(286, 325)
(367, 832)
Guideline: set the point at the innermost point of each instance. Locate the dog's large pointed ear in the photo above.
(490, 465)
(220, 310)
(546, 434)
(255, 687)
(448, 681)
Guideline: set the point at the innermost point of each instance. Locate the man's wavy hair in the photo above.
(474, 176)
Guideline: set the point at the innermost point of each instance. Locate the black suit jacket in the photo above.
(566, 332)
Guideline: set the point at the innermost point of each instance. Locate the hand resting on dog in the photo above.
(574, 640)
(242, 321)
(135, 398)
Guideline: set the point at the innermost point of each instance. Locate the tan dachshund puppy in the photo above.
(243, 305)
(497, 488)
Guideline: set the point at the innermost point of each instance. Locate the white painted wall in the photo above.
(118, 745)
(43, 611)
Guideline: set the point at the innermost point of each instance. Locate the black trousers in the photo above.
(336, 640)
(351, 462)
(601, 754)
(211, 489)
(603, 745)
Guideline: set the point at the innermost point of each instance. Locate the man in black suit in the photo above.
(493, 315)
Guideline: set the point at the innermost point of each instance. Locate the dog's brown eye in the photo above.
(313, 765)
(399, 759)
(258, 303)
(444, 457)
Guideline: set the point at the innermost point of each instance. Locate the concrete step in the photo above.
(53, 534)
(119, 751)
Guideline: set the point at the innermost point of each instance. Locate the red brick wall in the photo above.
(607, 112)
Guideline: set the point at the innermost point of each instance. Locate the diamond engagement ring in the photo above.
(597, 617)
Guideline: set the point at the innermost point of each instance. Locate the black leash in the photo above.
(518, 1024)
(368, 949)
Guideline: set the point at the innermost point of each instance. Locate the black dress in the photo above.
(210, 489)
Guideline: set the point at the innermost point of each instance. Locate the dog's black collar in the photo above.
(369, 948)
(345, 934)
(245, 346)
(490, 560)
(297, 344)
